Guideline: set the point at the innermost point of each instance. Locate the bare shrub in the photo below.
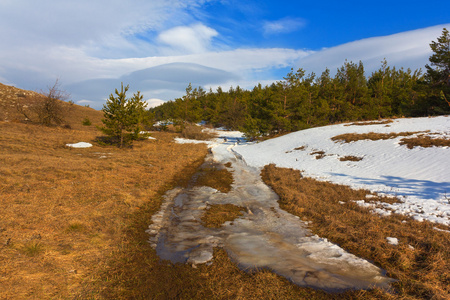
(45, 108)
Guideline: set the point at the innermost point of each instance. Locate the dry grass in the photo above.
(381, 122)
(350, 158)
(301, 148)
(374, 136)
(425, 142)
(73, 115)
(318, 154)
(65, 210)
(195, 132)
(73, 221)
(216, 215)
(215, 176)
(421, 260)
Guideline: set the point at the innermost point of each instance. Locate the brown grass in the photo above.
(216, 215)
(350, 158)
(195, 132)
(301, 148)
(73, 115)
(353, 137)
(425, 142)
(381, 122)
(319, 154)
(64, 210)
(420, 262)
(215, 176)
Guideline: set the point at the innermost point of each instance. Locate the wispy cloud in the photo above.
(160, 46)
(285, 25)
(188, 39)
(407, 49)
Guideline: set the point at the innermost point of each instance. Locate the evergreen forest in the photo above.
(302, 100)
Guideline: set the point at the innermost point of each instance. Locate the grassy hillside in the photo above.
(12, 98)
(73, 221)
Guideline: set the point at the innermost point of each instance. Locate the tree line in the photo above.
(304, 100)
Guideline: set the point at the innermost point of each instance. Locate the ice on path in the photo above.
(265, 237)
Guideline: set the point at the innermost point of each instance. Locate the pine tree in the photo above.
(439, 76)
(440, 60)
(123, 117)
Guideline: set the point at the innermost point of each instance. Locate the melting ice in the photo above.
(264, 237)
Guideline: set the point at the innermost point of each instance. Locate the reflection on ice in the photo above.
(264, 237)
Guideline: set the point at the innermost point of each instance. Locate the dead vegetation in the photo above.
(65, 210)
(319, 154)
(73, 221)
(187, 131)
(373, 136)
(73, 224)
(420, 262)
(425, 142)
(195, 132)
(15, 102)
(215, 176)
(301, 148)
(381, 122)
(216, 215)
(350, 158)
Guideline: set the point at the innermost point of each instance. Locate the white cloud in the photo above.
(193, 39)
(407, 49)
(85, 102)
(53, 22)
(154, 102)
(284, 25)
(92, 45)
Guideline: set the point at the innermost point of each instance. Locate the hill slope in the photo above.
(12, 97)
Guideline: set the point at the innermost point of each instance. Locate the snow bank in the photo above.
(420, 177)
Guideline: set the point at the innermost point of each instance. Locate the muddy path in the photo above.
(264, 237)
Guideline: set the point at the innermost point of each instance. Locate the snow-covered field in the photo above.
(419, 177)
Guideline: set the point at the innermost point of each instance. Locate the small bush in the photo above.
(194, 132)
(33, 248)
(86, 122)
(75, 227)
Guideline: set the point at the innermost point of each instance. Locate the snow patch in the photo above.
(419, 177)
(79, 145)
(392, 241)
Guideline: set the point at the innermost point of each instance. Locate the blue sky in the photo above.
(159, 46)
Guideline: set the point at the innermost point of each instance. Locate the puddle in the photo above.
(264, 237)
